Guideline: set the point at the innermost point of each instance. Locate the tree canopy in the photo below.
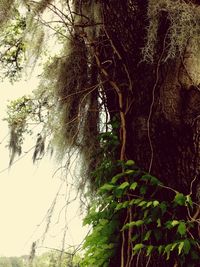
(119, 93)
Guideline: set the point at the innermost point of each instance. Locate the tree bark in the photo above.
(160, 100)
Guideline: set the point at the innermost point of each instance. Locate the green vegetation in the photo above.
(47, 259)
(154, 223)
(113, 96)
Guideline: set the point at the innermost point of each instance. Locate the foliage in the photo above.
(131, 204)
(47, 259)
(157, 225)
(24, 113)
(12, 48)
(11, 262)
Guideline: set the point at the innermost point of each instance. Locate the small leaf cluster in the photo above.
(12, 48)
(23, 114)
(101, 244)
(160, 222)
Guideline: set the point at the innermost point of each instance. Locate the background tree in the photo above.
(126, 82)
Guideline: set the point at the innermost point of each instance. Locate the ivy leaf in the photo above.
(154, 180)
(168, 250)
(155, 203)
(180, 247)
(130, 163)
(146, 177)
(119, 206)
(143, 189)
(163, 207)
(180, 199)
(142, 203)
(129, 172)
(106, 187)
(149, 204)
(138, 247)
(139, 222)
(168, 224)
(132, 224)
(125, 204)
(187, 246)
(149, 250)
(174, 223)
(147, 236)
(133, 185)
(158, 222)
(135, 237)
(123, 186)
(160, 249)
(189, 200)
(173, 246)
(182, 228)
(137, 201)
(117, 177)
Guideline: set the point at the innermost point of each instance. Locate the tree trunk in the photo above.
(160, 101)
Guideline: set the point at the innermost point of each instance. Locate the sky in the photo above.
(28, 192)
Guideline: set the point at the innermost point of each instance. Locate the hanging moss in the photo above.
(7, 9)
(77, 106)
(184, 24)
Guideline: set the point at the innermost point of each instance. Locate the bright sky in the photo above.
(27, 192)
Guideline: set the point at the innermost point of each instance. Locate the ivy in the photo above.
(158, 224)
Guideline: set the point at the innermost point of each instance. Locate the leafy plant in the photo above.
(158, 224)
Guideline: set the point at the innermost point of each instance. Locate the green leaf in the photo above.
(160, 249)
(139, 222)
(106, 187)
(154, 180)
(167, 250)
(163, 207)
(155, 203)
(125, 204)
(129, 172)
(174, 223)
(189, 201)
(187, 246)
(132, 224)
(138, 247)
(180, 199)
(143, 189)
(146, 212)
(149, 249)
(136, 201)
(119, 206)
(158, 222)
(146, 177)
(182, 228)
(142, 203)
(133, 185)
(117, 177)
(180, 247)
(149, 203)
(130, 162)
(134, 237)
(173, 246)
(123, 186)
(147, 236)
(171, 224)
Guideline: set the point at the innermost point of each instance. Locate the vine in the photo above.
(159, 226)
